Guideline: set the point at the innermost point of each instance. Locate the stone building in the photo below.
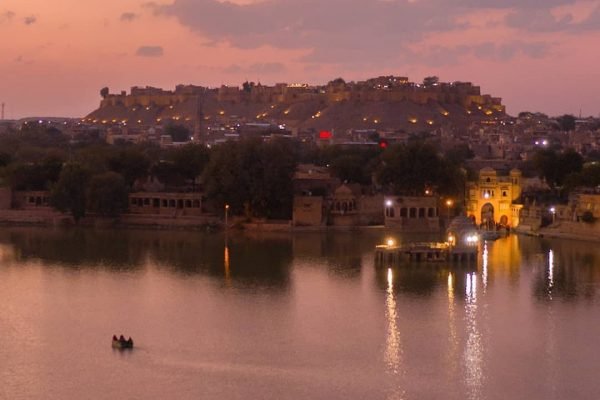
(492, 199)
(412, 213)
(308, 211)
(171, 204)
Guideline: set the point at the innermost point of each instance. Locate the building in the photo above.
(171, 204)
(492, 200)
(308, 211)
(412, 213)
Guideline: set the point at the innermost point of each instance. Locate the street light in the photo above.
(449, 204)
(226, 214)
(553, 211)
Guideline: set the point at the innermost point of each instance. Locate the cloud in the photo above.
(21, 60)
(499, 52)
(542, 20)
(150, 51)
(327, 29)
(30, 20)
(365, 32)
(128, 16)
(6, 16)
(258, 68)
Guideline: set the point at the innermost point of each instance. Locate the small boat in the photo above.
(122, 343)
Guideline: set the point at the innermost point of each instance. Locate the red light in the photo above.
(383, 144)
(325, 135)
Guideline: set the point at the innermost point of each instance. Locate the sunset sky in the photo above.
(538, 55)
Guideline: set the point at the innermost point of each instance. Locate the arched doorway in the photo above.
(487, 216)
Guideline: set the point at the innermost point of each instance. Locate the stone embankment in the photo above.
(54, 218)
(572, 230)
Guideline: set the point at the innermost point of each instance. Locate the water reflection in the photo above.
(566, 269)
(393, 350)
(245, 260)
(473, 353)
(226, 264)
(484, 265)
(453, 340)
(550, 272)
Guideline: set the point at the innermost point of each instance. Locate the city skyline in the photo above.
(537, 58)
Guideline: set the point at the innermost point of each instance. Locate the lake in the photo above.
(292, 316)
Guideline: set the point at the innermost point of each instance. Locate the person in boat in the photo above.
(122, 339)
(115, 338)
(130, 342)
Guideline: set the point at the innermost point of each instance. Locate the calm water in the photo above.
(305, 316)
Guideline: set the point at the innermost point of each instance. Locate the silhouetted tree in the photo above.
(69, 193)
(190, 160)
(253, 177)
(566, 122)
(107, 194)
(555, 167)
(414, 167)
(131, 163)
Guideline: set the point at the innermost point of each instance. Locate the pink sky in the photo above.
(56, 55)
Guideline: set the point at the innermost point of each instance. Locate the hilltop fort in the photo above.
(386, 102)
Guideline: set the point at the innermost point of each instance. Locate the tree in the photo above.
(190, 160)
(459, 154)
(179, 133)
(414, 167)
(104, 92)
(566, 122)
(247, 86)
(131, 163)
(252, 177)
(337, 81)
(107, 194)
(354, 165)
(555, 167)
(69, 192)
(5, 158)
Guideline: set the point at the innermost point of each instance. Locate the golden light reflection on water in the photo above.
(226, 264)
(453, 341)
(7, 253)
(473, 354)
(550, 272)
(552, 361)
(484, 268)
(393, 350)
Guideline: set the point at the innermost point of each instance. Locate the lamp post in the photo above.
(226, 215)
(553, 212)
(449, 203)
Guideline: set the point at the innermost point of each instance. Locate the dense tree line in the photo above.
(253, 177)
